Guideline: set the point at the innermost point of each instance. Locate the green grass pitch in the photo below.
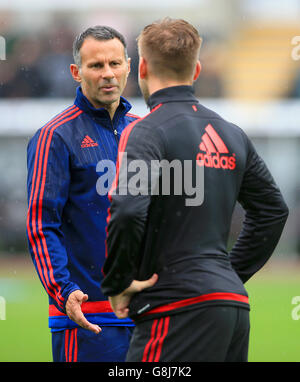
(275, 333)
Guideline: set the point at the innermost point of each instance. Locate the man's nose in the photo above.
(107, 72)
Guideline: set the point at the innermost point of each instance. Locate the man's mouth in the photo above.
(108, 88)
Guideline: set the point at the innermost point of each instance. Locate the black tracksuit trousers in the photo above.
(205, 334)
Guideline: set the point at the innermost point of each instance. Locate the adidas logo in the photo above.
(88, 142)
(213, 146)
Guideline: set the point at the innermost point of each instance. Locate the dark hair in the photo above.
(171, 46)
(98, 32)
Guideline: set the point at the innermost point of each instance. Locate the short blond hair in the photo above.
(171, 46)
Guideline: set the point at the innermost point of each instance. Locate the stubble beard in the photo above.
(144, 89)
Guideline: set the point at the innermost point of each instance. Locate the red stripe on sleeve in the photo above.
(40, 185)
(40, 205)
(43, 132)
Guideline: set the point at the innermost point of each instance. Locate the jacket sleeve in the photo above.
(130, 198)
(265, 216)
(47, 186)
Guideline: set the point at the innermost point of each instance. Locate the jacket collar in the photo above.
(84, 104)
(183, 93)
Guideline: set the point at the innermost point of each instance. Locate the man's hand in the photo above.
(120, 302)
(73, 309)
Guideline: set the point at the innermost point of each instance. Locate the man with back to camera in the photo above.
(67, 211)
(167, 266)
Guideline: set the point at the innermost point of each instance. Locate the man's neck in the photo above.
(111, 108)
(155, 84)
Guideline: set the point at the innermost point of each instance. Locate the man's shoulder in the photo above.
(67, 116)
(132, 117)
(148, 118)
(60, 120)
(140, 128)
(207, 113)
(57, 125)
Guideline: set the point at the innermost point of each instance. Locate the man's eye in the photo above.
(96, 65)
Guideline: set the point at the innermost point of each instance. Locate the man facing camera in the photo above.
(67, 209)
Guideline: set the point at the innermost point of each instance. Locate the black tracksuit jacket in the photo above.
(166, 231)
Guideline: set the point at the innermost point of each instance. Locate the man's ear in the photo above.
(75, 72)
(129, 66)
(197, 70)
(143, 68)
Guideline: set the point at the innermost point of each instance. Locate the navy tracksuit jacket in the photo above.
(67, 211)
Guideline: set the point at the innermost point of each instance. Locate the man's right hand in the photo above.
(73, 309)
(120, 302)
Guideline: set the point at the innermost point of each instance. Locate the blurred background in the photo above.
(250, 75)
